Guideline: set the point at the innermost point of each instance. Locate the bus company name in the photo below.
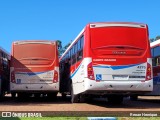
(119, 52)
(112, 60)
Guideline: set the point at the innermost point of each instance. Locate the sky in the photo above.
(64, 19)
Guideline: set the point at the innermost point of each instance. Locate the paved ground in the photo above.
(147, 103)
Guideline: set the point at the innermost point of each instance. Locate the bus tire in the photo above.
(64, 96)
(37, 95)
(20, 95)
(2, 96)
(115, 99)
(52, 95)
(1, 92)
(134, 97)
(13, 95)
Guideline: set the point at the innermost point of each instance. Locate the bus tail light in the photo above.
(13, 77)
(149, 72)
(55, 79)
(90, 71)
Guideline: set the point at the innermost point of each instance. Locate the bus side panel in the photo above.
(156, 80)
(79, 75)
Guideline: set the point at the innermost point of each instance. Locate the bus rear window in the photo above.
(34, 51)
(118, 36)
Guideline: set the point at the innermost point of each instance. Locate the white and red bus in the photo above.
(155, 51)
(34, 68)
(109, 58)
(4, 72)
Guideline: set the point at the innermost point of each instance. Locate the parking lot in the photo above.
(95, 107)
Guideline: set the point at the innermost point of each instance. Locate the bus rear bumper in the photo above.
(34, 87)
(118, 87)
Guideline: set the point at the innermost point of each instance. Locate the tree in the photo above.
(59, 44)
(66, 46)
(151, 40)
(154, 39)
(157, 37)
(60, 49)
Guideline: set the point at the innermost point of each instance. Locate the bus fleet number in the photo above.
(141, 67)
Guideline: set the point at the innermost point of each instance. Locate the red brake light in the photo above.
(90, 71)
(55, 79)
(13, 77)
(149, 72)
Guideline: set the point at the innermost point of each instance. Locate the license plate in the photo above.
(18, 81)
(120, 77)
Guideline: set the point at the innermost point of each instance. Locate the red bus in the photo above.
(109, 58)
(34, 68)
(4, 72)
(155, 50)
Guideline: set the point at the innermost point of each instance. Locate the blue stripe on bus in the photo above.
(75, 71)
(117, 67)
(31, 74)
(113, 67)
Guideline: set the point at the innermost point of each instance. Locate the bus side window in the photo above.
(153, 62)
(80, 49)
(74, 55)
(158, 61)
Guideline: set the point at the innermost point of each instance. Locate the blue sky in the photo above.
(64, 19)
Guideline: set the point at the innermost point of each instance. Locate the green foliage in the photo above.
(59, 44)
(151, 40)
(61, 49)
(158, 37)
(66, 46)
(154, 39)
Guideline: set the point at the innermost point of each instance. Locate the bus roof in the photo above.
(155, 43)
(9, 55)
(34, 41)
(4, 51)
(117, 24)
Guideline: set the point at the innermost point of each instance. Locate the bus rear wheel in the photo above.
(52, 95)
(134, 97)
(115, 99)
(64, 96)
(13, 95)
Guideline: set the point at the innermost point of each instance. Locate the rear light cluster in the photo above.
(149, 72)
(90, 71)
(55, 79)
(13, 77)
